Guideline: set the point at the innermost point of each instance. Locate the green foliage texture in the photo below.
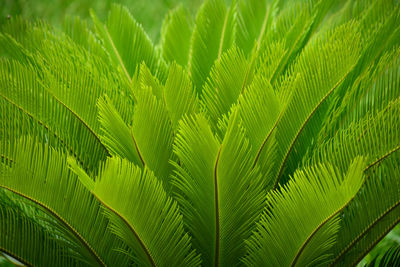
(259, 133)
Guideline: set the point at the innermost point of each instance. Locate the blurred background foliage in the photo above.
(150, 13)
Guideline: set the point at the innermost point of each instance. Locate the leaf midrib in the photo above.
(15, 256)
(217, 214)
(44, 125)
(142, 244)
(222, 39)
(305, 243)
(92, 132)
(302, 127)
(364, 232)
(77, 235)
(115, 50)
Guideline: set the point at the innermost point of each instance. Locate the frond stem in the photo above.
(137, 149)
(133, 230)
(221, 41)
(65, 223)
(23, 261)
(382, 158)
(45, 127)
(115, 50)
(309, 238)
(217, 222)
(364, 232)
(91, 131)
(291, 146)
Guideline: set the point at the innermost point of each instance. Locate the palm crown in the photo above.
(265, 133)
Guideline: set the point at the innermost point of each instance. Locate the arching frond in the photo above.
(213, 34)
(300, 222)
(228, 78)
(40, 246)
(23, 91)
(320, 70)
(180, 95)
(127, 43)
(142, 215)
(370, 94)
(377, 136)
(117, 136)
(41, 175)
(176, 33)
(362, 227)
(366, 221)
(154, 142)
(218, 190)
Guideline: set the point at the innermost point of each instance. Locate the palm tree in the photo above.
(266, 133)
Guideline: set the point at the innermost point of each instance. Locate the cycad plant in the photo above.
(266, 133)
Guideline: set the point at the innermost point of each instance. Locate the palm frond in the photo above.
(41, 175)
(370, 94)
(254, 19)
(152, 227)
(180, 95)
(319, 71)
(259, 110)
(40, 246)
(213, 34)
(228, 78)
(176, 33)
(80, 32)
(366, 221)
(117, 136)
(24, 92)
(154, 142)
(217, 187)
(127, 43)
(378, 131)
(300, 221)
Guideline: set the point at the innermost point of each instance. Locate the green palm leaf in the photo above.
(127, 43)
(218, 190)
(317, 73)
(362, 227)
(154, 141)
(176, 33)
(242, 138)
(366, 221)
(254, 19)
(41, 175)
(152, 227)
(180, 96)
(117, 136)
(212, 35)
(22, 89)
(371, 93)
(259, 110)
(228, 78)
(41, 247)
(313, 199)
